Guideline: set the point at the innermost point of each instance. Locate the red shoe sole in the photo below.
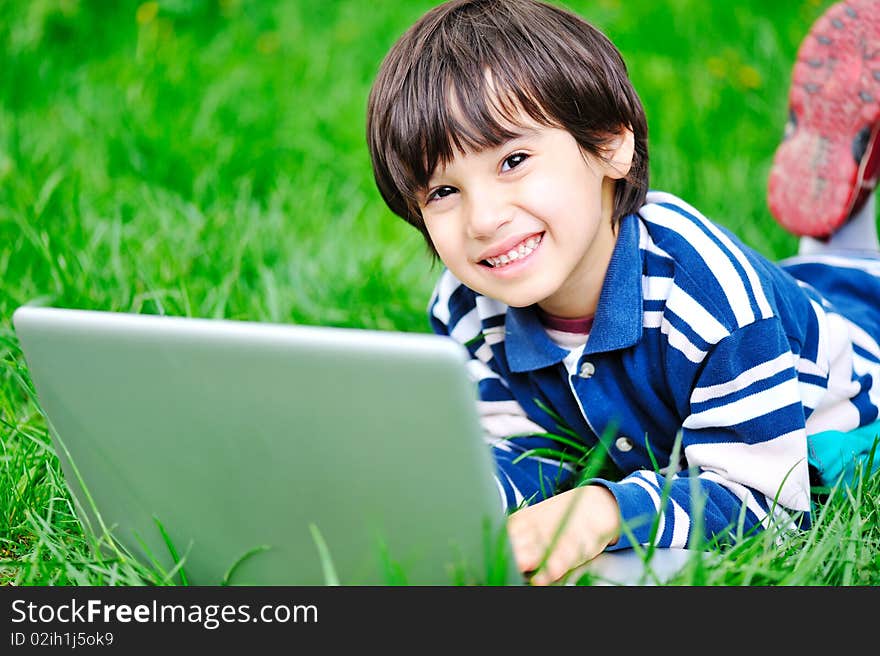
(816, 180)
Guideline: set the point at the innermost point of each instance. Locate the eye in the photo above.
(440, 192)
(512, 161)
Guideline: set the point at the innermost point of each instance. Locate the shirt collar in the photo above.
(618, 320)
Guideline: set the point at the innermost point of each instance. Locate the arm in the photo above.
(744, 443)
(526, 471)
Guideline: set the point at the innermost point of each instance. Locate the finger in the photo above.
(528, 557)
(563, 559)
(527, 550)
(539, 579)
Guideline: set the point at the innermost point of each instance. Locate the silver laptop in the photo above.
(263, 454)
(270, 454)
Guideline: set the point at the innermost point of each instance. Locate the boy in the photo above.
(508, 133)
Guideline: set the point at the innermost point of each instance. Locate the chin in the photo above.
(517, 303)
(513, 294)
(516, 300)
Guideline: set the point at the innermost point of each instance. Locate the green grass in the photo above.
(207, 158)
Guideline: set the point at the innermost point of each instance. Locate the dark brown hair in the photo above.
(458, 77)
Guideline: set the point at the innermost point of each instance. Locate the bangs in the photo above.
(463, 94)
(479, 109)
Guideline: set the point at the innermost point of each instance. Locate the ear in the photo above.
(619, 154)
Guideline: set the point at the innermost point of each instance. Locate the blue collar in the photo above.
(616, 325)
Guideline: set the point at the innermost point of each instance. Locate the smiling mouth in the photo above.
(518, 252)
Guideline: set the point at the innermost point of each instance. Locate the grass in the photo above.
(207, 158)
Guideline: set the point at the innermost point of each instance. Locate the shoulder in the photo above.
(685, 232)
(703, 264)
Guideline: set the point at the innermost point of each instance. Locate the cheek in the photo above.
(563, 191)
(558, 202)
(444, 238)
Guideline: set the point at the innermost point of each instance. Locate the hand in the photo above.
(563, 532)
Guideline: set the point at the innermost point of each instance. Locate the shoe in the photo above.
(827, 164)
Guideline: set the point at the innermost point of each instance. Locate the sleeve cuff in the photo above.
(637, 512)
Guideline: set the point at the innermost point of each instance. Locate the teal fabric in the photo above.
(836, 454)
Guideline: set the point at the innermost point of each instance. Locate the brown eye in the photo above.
(512, 161)
(441, 192)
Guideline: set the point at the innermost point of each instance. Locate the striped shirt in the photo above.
(705, 369)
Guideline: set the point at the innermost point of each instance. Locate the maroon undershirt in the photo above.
(580, 326)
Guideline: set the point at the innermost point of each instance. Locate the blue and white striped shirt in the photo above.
(698, 337)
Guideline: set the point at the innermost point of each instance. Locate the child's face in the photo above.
(529, 221)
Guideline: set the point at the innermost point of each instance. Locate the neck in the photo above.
(580, 296)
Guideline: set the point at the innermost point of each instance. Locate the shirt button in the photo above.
(587, 370)
(624, 444)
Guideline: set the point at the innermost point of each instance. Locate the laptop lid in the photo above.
(271, 454)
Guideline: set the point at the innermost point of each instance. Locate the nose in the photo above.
(487, 213)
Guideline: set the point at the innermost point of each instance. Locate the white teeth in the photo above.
(521, 251)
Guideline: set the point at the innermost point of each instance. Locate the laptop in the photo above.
(245, 453)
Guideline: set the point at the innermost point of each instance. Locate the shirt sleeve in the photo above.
(744, 447)
(531, 464)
